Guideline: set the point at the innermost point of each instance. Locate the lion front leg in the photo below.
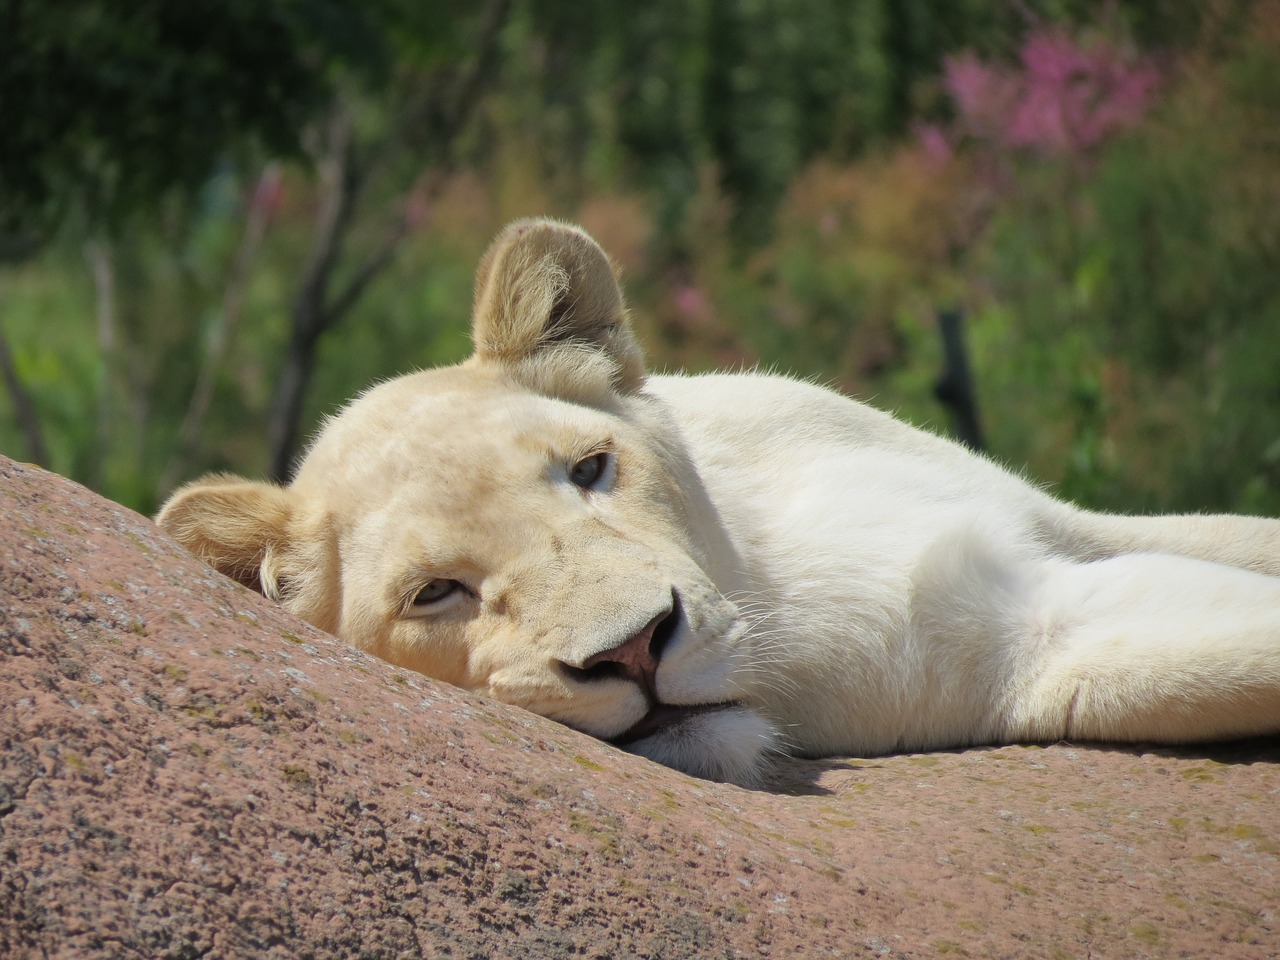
(1149, 647)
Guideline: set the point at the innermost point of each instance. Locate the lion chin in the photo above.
(712, 570)
(724, 742)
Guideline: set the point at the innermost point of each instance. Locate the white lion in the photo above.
(710, 569)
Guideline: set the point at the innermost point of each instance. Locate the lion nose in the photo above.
(635, 659)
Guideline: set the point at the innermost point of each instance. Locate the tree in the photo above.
(425, 111)
(110, 107)
(136, 128)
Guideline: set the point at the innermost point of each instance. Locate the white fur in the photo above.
(844, 583)
(917, 596)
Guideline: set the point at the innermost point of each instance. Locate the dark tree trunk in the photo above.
(954, 386)
(286, 410)
(316, 309)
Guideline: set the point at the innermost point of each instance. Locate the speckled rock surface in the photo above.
(188, 772)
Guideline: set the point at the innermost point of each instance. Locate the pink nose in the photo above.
(636, 658)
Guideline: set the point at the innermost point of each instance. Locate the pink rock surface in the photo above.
(188, 771)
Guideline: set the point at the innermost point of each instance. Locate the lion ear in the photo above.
(547, 298)
(232, 524)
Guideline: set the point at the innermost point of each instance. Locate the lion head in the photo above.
(527, 524)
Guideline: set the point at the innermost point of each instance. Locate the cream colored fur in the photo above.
(832, 580)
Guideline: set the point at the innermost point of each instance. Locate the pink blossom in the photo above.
(970, 82)
(935, 143)
(690, 301)
(1064, 98)
(983, 94)
(1053, 59)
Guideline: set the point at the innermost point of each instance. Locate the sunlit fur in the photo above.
(847, 584)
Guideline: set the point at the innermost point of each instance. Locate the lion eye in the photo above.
(435, 591)
(586, 473)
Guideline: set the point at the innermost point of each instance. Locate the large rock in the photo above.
(188, 771)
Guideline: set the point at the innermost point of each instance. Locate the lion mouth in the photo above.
(663, 716)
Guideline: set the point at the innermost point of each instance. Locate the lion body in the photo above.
(709, 569)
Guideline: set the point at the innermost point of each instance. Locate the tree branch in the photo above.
(256, 219)
(954, 386)
(470, 84)
(315, 311)
(98, 253)
(309, 315)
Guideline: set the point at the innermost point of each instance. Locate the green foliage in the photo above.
(110, 105)
(1123, 303)
(754, 165)
(1133, 307)
(753, 89)
(1185, 242)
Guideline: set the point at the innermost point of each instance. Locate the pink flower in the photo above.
(935, 144)
(690, 301)
(1065, 98)
(983, 94)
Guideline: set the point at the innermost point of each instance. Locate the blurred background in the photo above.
(219, 219)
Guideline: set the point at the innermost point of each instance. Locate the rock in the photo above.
(188, 771)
